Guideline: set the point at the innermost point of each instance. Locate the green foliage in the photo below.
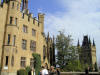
(67, 56)
(37, 62)
(0, 67)
(62, 45)
(96, 68)
(28, 69)
(66, 51)
(22, 72)
(74, 65)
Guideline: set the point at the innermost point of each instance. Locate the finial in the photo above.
(93, 42)
(89, 41)
(78, 44)
(48, 35)
(53, 39)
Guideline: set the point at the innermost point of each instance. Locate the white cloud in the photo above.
(81, 17)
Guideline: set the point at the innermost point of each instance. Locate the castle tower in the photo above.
(10, 33)
(93, 54)
(88, 52)
(85, 41)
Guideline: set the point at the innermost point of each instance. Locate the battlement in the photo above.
(15, 6)
(33, 20)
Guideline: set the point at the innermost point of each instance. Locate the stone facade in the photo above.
(21, 34)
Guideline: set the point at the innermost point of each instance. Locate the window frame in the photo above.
(16, 20)
(8, 40)
(31, 62)
(33, 32)
(33, 45)
(11, 20)
(23, 62)
(25, 29)
(24, 44)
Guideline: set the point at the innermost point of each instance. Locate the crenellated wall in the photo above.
(11, 23)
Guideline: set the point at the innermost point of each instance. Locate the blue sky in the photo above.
(76, 17)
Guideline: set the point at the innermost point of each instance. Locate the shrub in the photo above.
(28, 70)
(22, 72)
(37, 62)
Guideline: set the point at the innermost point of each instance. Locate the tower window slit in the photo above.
(6, 63)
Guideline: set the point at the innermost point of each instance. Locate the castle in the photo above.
(21, 35)
(87, 52)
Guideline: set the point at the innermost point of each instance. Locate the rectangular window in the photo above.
(12, 5)
(32, 45)
(6, 62)
(31, 62)
(9, 36)
(14, 40)
(24, 44)
(11, 19)
(25, 29)
(23, 62)
(33, 32)
(15, 21)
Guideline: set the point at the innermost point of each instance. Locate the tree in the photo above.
(95, 66)
(37, 62)
(66, 51)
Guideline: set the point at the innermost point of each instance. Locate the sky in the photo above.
(75, 17)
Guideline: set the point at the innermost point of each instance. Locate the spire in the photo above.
(78, 44)
(93, 42)
(48, 35)
(53, 38)
(89, 41)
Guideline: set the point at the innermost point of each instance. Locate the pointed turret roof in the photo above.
(78, 44)
(89, 41)
(93, 42)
